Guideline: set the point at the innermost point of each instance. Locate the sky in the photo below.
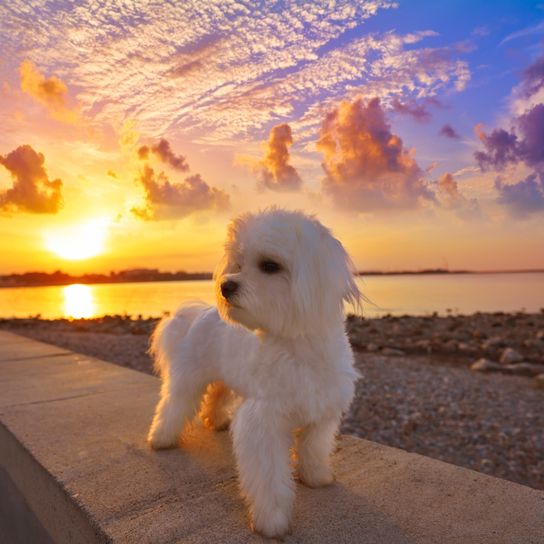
(131, 132)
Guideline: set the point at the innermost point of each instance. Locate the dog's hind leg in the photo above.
(181, 394)
(218, 406)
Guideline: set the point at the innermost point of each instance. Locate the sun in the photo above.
(79, 241)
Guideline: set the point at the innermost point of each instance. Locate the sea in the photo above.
(421, 294)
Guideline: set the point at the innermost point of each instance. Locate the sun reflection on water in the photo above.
(78, 301)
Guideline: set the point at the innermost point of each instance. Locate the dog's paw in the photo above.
(161, 441)
(273, 524)
(316, 477)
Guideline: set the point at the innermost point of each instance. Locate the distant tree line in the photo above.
(58, 277)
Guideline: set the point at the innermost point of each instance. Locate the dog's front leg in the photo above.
(180, 398)
(315, 444)
(261, 443)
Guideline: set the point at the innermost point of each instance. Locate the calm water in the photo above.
(463, 294)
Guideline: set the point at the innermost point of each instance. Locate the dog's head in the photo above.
(284, 273)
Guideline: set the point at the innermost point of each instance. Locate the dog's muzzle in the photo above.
(229, 288)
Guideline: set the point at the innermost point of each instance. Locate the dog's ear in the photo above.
(344, 273)
(340, 270)
(324, 277)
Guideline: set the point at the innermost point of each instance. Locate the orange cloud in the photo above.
(167, 200)
(32, 190)
(50, 92)
(275, 172)
(367, 166)
(164, 153)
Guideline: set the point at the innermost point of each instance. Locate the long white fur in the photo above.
(279, 344)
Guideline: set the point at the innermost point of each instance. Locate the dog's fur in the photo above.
(279, 344)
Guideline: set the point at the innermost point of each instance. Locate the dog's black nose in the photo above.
(229, 288)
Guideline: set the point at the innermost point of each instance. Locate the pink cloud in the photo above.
(275, 172)
(449, 132)
(412, 109)
(164, 199)
(451, 198)
(367, 167)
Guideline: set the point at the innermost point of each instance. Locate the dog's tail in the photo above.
(168, 334)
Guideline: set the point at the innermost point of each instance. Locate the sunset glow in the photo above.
(413, 132)
(77, 242)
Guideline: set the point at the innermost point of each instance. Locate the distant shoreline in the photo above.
(434, 272)
(56, 279)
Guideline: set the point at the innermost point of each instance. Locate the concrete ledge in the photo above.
(72, 442)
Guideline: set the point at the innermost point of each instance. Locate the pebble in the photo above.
(426, 401)
(485, 365)
(392, 352)
(538, 382)
(510, 356)
(494, 342)
(523, 369)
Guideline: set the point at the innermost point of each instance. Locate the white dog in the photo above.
(278, 341)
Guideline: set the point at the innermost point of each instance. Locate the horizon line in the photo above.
(142, 275)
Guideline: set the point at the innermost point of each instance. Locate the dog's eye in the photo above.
(269, 267)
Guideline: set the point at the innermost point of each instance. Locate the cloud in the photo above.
(531, 126)
(164, 199)
(275, 172)
(451, 199)
(50, 92)
(164, 153)
(32, 189)
(524, 140)
(530, 91)
(366, 165)
(167, 200)
(381, 66)
(501, 148)
(417, 111)
(449, 132)
(524, 198)
(523, 143)
(528, 31)
(532, 79)
(195, 59)
(216, 74)
(128, 135)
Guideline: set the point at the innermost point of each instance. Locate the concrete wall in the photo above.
(75, 467)
(18, 524)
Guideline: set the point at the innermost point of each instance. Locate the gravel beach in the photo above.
(418, 391)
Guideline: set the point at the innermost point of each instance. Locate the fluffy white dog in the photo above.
(277, 339)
